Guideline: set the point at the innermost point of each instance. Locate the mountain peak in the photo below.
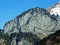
(36, 20)
(32, 11)
(55, 9)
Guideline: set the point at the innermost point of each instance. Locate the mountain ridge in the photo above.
(35, 26)
(35, 16)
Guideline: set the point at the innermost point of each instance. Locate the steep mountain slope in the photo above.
(36, 26)
(29, 39)
(53, 39)
(4, 38)
(36, 20)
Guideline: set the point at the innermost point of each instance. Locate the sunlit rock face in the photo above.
(13, 42)
(11, 27)
(37, 21)
(24, 42)
(2, 42)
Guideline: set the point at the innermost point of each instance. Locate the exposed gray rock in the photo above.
(24, 42)
(13, 42)
(36, 20)
(2, 42)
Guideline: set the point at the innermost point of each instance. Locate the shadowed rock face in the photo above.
(53, 39)
(4, 39)
(29, 39)
(37, 21)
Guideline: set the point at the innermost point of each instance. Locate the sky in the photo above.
(9, 9)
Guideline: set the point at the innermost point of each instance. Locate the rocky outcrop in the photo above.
(37, 21)
(24, 42)
(53, 39)
(36, 26)
(23, 38)
(4, 38)
(2, 42)
(30, 39)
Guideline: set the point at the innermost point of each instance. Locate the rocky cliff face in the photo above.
(36, 20)
(53, 39)
(29, 39)
(36, 26)
(4, 39)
